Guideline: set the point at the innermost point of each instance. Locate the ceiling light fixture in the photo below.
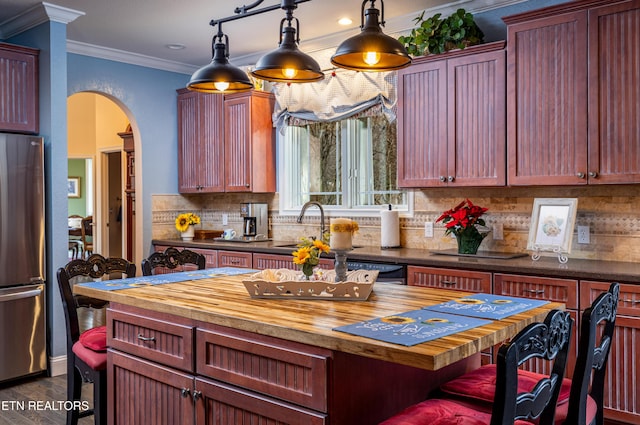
(371, 50)
(220, 76)
(287, 63)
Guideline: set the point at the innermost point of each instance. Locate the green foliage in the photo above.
(437, 35)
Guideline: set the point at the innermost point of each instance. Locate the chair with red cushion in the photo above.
(86, 352)
(581, 398)
(550, 341)
(172, 260)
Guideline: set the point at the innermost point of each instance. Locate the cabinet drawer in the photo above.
(243, 407)
(281, 369)
(274, 261)
(462, 280)
(543, 288)
(234, 259)
(628, 301)
(157, 340)
(210, 255)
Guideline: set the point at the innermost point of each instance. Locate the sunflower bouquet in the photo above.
(183, 221)
(307, 256)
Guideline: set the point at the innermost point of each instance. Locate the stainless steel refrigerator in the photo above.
(22, 268)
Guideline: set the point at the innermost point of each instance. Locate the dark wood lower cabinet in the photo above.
(235, 377)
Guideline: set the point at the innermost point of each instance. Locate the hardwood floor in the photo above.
(39, 400)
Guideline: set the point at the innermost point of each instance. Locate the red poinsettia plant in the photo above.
(463, 216)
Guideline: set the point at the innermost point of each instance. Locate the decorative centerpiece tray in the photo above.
(288, 284)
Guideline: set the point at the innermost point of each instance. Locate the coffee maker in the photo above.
(255, 221)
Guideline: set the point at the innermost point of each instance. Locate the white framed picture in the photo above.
(552, 223)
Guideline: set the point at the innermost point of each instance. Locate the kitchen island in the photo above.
(199, 349)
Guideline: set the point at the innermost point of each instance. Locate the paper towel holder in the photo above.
(395, 241)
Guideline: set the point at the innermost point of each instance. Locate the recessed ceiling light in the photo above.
(175, 46)
(345, 21)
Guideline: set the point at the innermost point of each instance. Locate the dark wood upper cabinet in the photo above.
(200, 142)
(18, 89)
(225, 143)
(249, 135)
(572, 94)
(451, 119)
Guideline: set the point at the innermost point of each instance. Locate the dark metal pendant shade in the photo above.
(220, 76)
(371, 50)
(287, 63)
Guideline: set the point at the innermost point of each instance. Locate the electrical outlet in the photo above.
(583, 234)
(428, 229)
(225, 219)
(498, 232)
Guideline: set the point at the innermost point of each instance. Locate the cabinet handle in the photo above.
(197, 395)
(580, 175)
(534, 291)
(443, 179)
(593, 174)
(234, 261)
(146, 338)
(630, 301)
(448, 282)
(185, 392)
(246, 185)
(451, 178)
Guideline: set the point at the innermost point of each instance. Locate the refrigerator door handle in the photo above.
(20, 295)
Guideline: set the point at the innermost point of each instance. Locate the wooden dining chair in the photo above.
(86, 351)
(172, 260)
(580, 401)
(550, 341)
(87, 235)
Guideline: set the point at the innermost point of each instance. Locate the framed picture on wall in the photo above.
(73, 187)
(552, 222)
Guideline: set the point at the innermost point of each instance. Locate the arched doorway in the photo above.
(97, 126)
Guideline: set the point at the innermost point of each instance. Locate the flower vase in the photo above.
(469, 240)
(188, 234)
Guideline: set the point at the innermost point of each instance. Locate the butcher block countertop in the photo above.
(224, 301)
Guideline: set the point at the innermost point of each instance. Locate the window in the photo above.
(347, 164)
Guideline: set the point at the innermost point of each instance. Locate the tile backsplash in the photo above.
(611, 212)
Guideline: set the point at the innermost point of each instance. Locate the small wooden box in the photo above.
(207, 234)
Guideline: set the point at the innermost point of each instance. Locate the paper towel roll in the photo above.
(389, 229)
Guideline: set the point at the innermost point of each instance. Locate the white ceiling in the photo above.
(143, 28)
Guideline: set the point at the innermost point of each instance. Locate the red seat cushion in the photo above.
(563, 410)
(94, 359)
(95, 338)
(480, 384)
(444, 412)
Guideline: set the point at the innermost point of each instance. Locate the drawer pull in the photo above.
(448, 282)
(197, 395)
(146, 339)
(185, 392)
(534, 291)
(630, 301)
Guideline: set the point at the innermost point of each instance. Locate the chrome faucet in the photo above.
(304, 209)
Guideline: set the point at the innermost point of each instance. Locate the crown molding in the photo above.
(107, 53)
(36, 15)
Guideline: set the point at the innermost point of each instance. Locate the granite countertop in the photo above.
(547, 266)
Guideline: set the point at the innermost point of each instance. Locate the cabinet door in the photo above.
(422, 125)
(237, 154)
(477, 115)
(547, 100)
(18, 89)
(142, 392)
(621, 401)
(200, 143)
(461, 280)
(614, 78)
(223, 404)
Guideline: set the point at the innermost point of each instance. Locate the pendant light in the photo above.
(287, 63)
(220, 76)
(371, 50)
